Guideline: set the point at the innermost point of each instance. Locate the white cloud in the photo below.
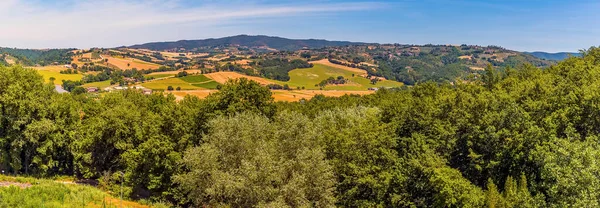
(113, 22)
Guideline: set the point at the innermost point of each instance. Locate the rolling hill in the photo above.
(553, 56)
(250, 41)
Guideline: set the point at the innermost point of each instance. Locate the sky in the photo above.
(522, 25)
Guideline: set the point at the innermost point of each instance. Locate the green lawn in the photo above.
(195, 78)
(309, 77)
(100, 85)
(58, 76)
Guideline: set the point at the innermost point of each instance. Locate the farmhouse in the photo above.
(92, 89)
(147, 91)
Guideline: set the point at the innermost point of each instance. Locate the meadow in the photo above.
(309, 77)
(30, 192)
(100, 85)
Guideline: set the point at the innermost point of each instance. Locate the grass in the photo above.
(58, 76)
(195, 78)
(100, 85)
(156, 76)
(207, 85)
(309, 77)
(163, 84)
(48, 193)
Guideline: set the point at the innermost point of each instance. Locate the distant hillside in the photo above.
(553, 56)
(259, 41)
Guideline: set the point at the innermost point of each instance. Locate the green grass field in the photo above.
(58, 76)
(163, 84)
(195, 79)
(100, 85)
(309, 77)
(156, 76)
(207, 85)
(48, 193)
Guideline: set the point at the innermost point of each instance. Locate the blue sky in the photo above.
(525, 25)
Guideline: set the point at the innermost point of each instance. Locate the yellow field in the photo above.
(100, 85)
(54, 71)
(296, 95)
(326, 62)
(121, 63)
(279, 95)
(222, 77)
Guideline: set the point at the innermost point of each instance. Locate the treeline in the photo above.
(524, 137)
(278, 68)
(32, 57)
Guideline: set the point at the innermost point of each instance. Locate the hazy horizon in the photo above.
(548, 26)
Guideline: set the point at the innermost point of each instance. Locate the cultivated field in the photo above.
(222, 77)
(54, 71)
(163, 84)
(122, 63)
(279, 95)
(296, 95)
(326, 62)
(100, 85)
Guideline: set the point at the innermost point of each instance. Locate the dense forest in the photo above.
(520, 137)
(30, 57)
(250, 41)
(412, 64)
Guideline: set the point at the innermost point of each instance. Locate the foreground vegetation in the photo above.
(31, 192)
(525, 137)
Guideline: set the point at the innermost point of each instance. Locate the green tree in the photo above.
(242, 95)
(247, 161)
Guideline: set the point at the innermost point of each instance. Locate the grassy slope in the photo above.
(156, 76)
(47, 193)
(309, 77)
(100, 85)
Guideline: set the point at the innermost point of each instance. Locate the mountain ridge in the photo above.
(558, 56)
(251, 41)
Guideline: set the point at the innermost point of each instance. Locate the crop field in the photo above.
(30, 192)
(198, 93)
(279, 95)
(350, 69)
(207, 85)
(121, 63)
(296, 95)
(100, 85)
(222, 77)
(163, 84)
(156, 76)
(309, 77)
(58, 76)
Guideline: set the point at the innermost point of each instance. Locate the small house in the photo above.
(92, 89)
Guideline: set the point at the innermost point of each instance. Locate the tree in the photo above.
(247, 161)
(242, 95)
(567, 169)
(361, 149)
(170, 88)
(178, 88)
